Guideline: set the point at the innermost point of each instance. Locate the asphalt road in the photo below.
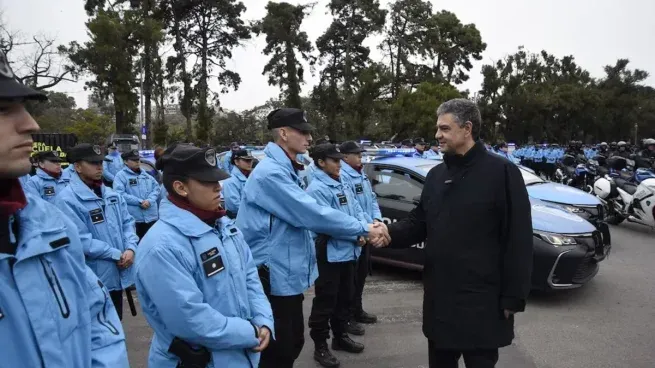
(608, 323)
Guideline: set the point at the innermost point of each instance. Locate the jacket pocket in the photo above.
(56, 288)
(102, 315)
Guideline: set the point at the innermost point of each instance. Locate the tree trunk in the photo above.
(203, 113)
(293, 89)
(187, 100)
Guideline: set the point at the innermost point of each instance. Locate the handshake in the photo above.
(378, 234)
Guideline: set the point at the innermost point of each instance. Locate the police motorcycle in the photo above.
(577, 172)
(630, 197)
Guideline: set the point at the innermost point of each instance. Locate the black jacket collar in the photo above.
(453, 161)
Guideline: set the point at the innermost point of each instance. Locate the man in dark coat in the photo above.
(474, 216)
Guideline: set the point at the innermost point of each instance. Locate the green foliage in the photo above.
(415, 111)
(90, 127)
(281, 25)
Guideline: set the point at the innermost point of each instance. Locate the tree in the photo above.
(450, 47)
(415, 111)
(109, 56)
(281, 25)
(36, 62)
(213, 29)
(344, 57)
(54, 114)
(90, 127)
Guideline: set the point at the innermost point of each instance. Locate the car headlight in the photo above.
(573, 209)
(555, 239)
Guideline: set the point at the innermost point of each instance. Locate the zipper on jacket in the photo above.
(56, 288)
(107, 324)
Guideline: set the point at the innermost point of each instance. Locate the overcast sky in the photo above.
(596, 32)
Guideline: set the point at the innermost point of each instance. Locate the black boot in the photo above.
(363, 317)
(323, 355)
(345, 343)
(355, 328)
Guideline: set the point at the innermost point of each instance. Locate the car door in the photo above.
(398, 191)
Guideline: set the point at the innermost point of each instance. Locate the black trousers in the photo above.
(142, 228)
(117, 298)
(334, 295)
(362, 269)
(289, 327)
(481, 358)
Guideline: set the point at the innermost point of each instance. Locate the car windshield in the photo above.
(425, 168)
(530, 178)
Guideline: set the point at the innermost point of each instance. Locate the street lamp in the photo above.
(636, 128)
(497, 124)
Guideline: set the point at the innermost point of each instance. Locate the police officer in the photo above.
(195, 275)
(111, 165)
(228, 165)
(276, 216)
(433, 152)
(233, 187)
(48, 181)
(336, 259)
(105, 225)
(419, 147)
(354, 178)
(53, 310)
(140, 191)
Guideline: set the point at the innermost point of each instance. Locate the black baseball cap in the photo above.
(350, 147)
(11, 88)
(52, 156)
(242, 154)
(130, 155)
(289, 117)
(327, 150)
(434, 144)
(192, 162)
(85, 152)
(234, 145)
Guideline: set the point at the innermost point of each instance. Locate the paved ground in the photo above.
(609, 323)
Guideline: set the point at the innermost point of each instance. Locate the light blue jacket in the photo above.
(45, 186)
(68, 172)
(53, 309)
(233, 190)
(276, 217)
(110, 169)
(24, 180)
(361, 189)
(183, 296)
(334, 194)
(226, 165)
(136, 188)
(106, 229)
(431, 155)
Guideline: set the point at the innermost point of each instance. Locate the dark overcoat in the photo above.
(474, 216)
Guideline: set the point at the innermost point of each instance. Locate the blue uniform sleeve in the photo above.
(119, 187)
(108, 348)
(155, 192)
(259, 304)
(32, 186)
(279, 195)
(323, 197)
(377, 214)
(93, 248)
(182, 307)
(129, 229)
(105, 171)
(232, 196)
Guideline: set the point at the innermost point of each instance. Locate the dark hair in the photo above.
(168, 180)
(159, 151)
(463, 111)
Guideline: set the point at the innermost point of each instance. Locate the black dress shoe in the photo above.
(367, 318)
(355, 328)
(345, 343)
(324, 357)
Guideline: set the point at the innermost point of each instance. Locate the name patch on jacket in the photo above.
(342, 199)
(97, 217)
(49, 191)
(59, 243)
(132, 182)
(212, 263)
(359, 189)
